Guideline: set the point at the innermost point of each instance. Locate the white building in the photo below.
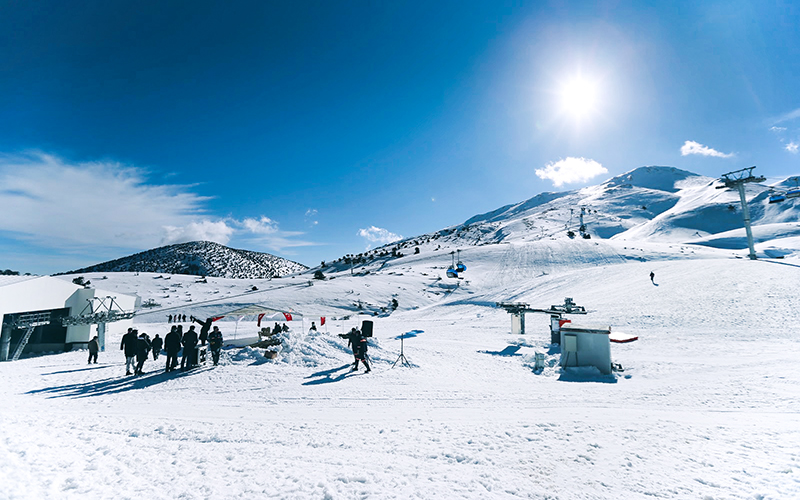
(21, 295)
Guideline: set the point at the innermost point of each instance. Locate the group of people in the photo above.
(137, 346)
(177, 318)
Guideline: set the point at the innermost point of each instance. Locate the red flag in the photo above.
(288, 316)
(215, 318)
(259, 318)
(322, 321)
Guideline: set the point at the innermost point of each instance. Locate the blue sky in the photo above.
(315, 129)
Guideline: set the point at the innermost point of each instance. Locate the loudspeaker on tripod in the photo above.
(366, 328)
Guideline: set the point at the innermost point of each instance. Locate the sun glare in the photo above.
(579, 98)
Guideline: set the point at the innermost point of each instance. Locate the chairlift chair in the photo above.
(451, 271)
(777, 197)
(793, 193)
(460, 267)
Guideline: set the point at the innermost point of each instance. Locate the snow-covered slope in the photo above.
(200, 258)
(707, 406)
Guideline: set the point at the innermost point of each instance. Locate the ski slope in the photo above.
(707, 406)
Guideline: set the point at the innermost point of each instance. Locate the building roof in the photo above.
(12, 279)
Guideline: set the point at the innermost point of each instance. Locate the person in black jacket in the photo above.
(157, 344)
(129, 344)
(215, 344)
(189, 342)
(142, 350)
(360, 351)
(172, 343)
(205, 326)
(94, 348)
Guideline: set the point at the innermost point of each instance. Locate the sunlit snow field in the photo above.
(706, 407)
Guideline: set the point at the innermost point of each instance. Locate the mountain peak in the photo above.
(652, 177)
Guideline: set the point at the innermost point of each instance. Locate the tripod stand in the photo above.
(402, 357)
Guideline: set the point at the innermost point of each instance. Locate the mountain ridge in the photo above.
(200, 258)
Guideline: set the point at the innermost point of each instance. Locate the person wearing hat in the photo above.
(129, 345)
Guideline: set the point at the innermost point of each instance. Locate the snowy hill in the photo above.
(200, 258)
(648, 204)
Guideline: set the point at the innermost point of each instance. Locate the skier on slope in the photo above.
(652, 276)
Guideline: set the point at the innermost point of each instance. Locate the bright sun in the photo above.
(579, 98)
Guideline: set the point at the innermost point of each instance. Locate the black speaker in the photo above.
(366, 328)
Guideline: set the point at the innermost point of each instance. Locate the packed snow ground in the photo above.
(707, 406)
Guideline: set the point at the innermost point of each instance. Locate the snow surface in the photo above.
(706, 407)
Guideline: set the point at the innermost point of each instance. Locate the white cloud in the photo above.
(791, 115)
(311, 216)
(695, 148)
(378, 235)
(263, 225)
(792, 147)
(571, 170)
(105, 207)
(206, 230)
(777, 129)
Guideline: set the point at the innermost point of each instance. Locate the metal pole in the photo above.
(5, 342)
(746, 213)
(101, 336)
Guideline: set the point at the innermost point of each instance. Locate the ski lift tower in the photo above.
(27, 322)
(738, 179)
(100, 314)
(517, 311)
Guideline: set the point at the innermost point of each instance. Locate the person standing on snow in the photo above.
(215, 344)
(360, 351)
(652, 276)
(142, 350)
(172, 343)
(189, 342)
(128, 344)
(157, 344)
(94, 348)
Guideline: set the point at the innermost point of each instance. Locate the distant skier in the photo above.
(172, 343)
(652, 276)
(215, 344)
(128, 344)
(313, 327)
(157, 344)
(94, 348)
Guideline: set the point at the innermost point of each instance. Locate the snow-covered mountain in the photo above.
(656, 204)
(200, 258)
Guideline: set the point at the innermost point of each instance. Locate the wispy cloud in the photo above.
(311, 216)
(791, 115)
(695, 148)
(777, 129)
(63, 205)
(792, 147)
(571, 170)
(378, 235)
